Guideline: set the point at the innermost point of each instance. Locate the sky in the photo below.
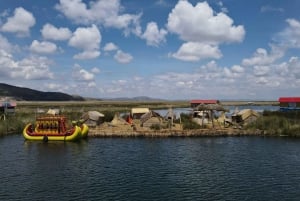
(168, 49)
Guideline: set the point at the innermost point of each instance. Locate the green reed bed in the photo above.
(278, 123)
(14, 124)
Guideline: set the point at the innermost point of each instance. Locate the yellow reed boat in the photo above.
(51, 128)
(84, 131)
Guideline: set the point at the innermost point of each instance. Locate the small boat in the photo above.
(51, 128)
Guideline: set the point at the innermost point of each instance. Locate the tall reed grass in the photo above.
(278, 123)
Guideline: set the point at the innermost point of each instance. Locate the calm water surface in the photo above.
(239, 168)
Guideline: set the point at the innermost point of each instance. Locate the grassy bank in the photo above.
(278, 123)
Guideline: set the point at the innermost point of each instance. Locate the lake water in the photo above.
(221, 168)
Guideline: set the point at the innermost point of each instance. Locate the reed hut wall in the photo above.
(152, 121)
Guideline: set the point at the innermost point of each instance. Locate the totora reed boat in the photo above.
(84, 131)
(52, 128)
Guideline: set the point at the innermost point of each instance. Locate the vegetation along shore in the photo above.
(269, 123)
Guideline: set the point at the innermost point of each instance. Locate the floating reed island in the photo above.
(141, 119)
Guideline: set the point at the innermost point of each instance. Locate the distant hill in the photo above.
(20, 93)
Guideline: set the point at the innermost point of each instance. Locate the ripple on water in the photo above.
(245, 168)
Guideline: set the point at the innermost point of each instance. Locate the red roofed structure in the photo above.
(195, 103)
(289, 103)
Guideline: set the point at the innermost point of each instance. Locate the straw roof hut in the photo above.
(170, 116)
(204, 113)
(210, 107)
(245, 116)
(92, 118)
(151, 118)
(136, 113)
(117, 120)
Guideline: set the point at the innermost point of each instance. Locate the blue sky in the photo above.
(230, 49)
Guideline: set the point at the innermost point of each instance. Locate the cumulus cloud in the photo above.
(95, 70)
(290, 36)
(261, 70)
(262, 57)
(123, 57)
(193, 51)
(200, 24)
(102, 12)
(87, 39)
(31, 68)
(43, 47)
(119, 55)
(110, 47)
(20, 23)
(235, 71)
(6, 45)
(293, 68)
(202, 30)
(87, 54)
(153, 35)
(52, 33)
(80, 74)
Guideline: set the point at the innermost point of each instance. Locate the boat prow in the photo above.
(84, 131)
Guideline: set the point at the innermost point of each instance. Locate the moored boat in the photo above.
(51, 128)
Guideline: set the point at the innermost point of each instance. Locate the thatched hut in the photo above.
(117, 120)
(137, 113)
(151, 118)
(245, 116)
(92, 118)
(204, 113)
(170, 117)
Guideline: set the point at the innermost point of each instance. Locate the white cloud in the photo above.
(293, 66)
(5, 45)
(261, 70)
(95, 70)
(110, 47)
(123, 57)
(268, 8)
(102, 12)
(31, 68)
(290, 36)
(7, 64)
(200, 24)
(52, 33)
(237, 69)
(262, 57)
(20, 23)
(193, 51)
(80, 74)
(87, 54)
(88, 39)
(43, 47)
(153, 35)
(202, 29)
(234, 72)
(223, 9)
